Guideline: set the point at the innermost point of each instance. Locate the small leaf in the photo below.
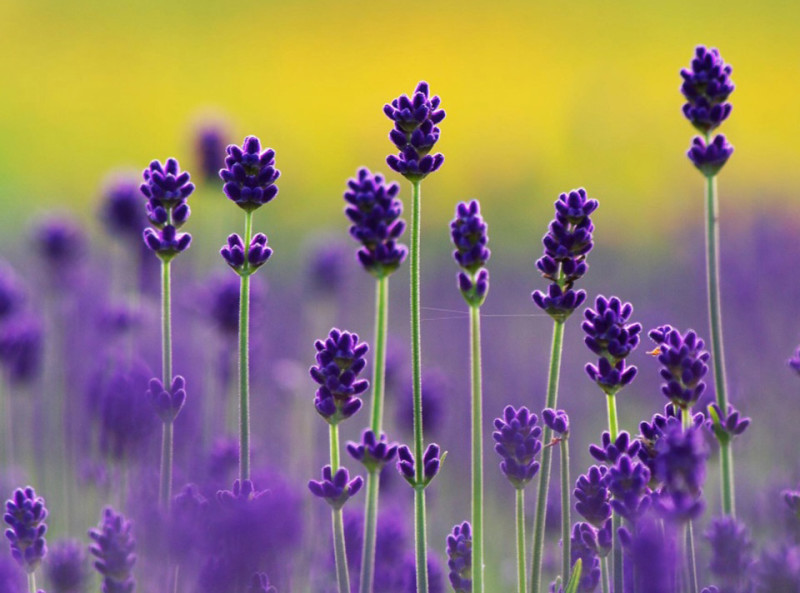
(575, 578)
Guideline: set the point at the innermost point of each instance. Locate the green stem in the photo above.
(613, 429)
(334, 445)
(420, 534)
(606, 579)
(547, 456)
(715, 319)
(613, 421)
(477, 451)
(244, 360)
(691, 559)
(370, 532)
(565, 511)
(342, 576)
(522, 585)
(165, 483)
(31, 582)
(619, 576)
(166, 464)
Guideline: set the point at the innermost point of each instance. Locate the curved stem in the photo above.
(244, 360)
(477, 451)
(715, 320)
(522, 585)
(565, 511)
(165, 482)
(547, 455)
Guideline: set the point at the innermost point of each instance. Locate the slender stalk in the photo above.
(619, 576)
(165, 482)
(565, 511)
(613, 421)
(244, 360)
(547, 456)
(420, 532)
(165, 489)
(522, 585)
(339, 550)
(31, 582)
(691, 561)
(334, 443)
(616, 550)
(373, 477)
(606, 578)
(715, 320)
(477, 451)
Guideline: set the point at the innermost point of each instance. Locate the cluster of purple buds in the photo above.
(728, 425)
(591, 493)
(557, 421)
(707, 86)
(610, 451)
(66, 567)
(167, 401)
(340, 360)
(21, 348)
(731, 555)
(415, 133)
(336, 488)
(459, 558)
(468, 231)
(680, 468)
(566, 244)
(250, 174)
(114, 549)
(374, 210)
(584, 546)
(611, 337)
(431, 462)
(246, 260)
(209, 144)
(627, 482)
(166, 188)
(121, 209)
(518, 442)
(243, 492)
(685, 364)
(25, 516)
(372, 451)
(651, 432)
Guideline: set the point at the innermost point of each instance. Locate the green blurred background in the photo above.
(541, 97)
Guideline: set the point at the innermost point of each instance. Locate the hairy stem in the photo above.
(565, 511)
(244, 360)
(522, 585)
(477, 451)
(165, 482)
(613, 421)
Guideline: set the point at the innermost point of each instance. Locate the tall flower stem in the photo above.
(244, 361)
(339, 550)
(613, 429)
(715, 319)
(522, 585)
(613, 421)
(373, 476)
(477, 450)
(565, 510)
(691, 560)
(420, 531)
(606, 578)
(165, 484)
(547, 457)
(31, 582)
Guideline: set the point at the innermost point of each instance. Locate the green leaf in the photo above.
(575, 578)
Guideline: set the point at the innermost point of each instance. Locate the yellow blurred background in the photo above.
(541, 97)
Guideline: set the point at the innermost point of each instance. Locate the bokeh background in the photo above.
(540, 97)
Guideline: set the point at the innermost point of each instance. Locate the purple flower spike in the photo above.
(336, 488)
(166, 184)
(167, 403)
(592, 496)
(587, 553)
(794, 361)
(468, 232)
(612, 338)
(710, 158)
(25, 516)
(66, 568)
(518, 442)
(415, 133)
(340, 359)
(566, 244)
(21, 348)
(726, 426)
(243, 492)
(557, 421)
(706, 86)
(167, 242)
(260, 584)
(627, 483)
(731, 554)
(121, 208)
(59, 241)
(250, 174)
(680, 467)
(459, 558)
(374, 452)
(114, 549)
(257, 253)
(374, 210)
(431, 462)
(598, 540)
(209, 147)
(685, 364)
(609, 451)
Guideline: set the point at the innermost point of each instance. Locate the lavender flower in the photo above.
(340, 359)
(167, 188)
(25, 516)
(710, 158)
(592, 495)
(518, 442)
(250, 174)
(779, 570)
(59, 241)
(374, 210)
(431, 462)
(209, 146)
(246, 262)
(609, 451)
(459, 558)
(415, 133)
(167, 403)
(336, 488)
(121, 209)
(114, 549)
(557, 421)
(590, 573)
(21, 349)
(469, 234)
(566, 244)
(731, 555)
(726, 426)
(707, 86)
(685, 364)
(627, 483)
(167, 242)
(680, 467)
(651, 554)
(66, 567)
(598, 540)
(372, 451)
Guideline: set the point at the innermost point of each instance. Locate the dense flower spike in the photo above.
(731, 555)
(167, 403)
(707, 86)
(373, 451)
(680, 466)
(609, 451)
(726, 426)
(374, 210)
(166, 189)
(599, 540)
(557, 421)
(243, 263)
(340, 359)
(66, 567)
(59, 241)
(114, 549)
(591, 493)
(650, 556)
(566, 244)
(167, 242)
(710, 158)
(590, 562)
(685, 364)
(209, 146)
(627, 483)
(431, 462)
(21, 348)
(468, 232)
(25, 516)
(336, 488)
(415, 133)
(166, 185)
(612, 338)
(121, 208)
(459, 558)
(250, 174)
(518, 442)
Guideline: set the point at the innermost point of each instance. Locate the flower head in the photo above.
(250, 174)
(166, 184)
(592, 495)
(612, 338)
(518, 442)
(468, 232)
(710, 158)
(66, 567)
(121, 208)
(25, 516)
(246, 261)
(731, 554)
(557, 421)
(685, 363)
(209, 148)
(166, 188)
(609, 451)
(459, 557)
(336, 488)
(728, 425)
(628, 484)
(167, 402)
(340, 360)
(373, 451)
(113, 548)
(680, 466)
(431, 462)
(707, 86)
